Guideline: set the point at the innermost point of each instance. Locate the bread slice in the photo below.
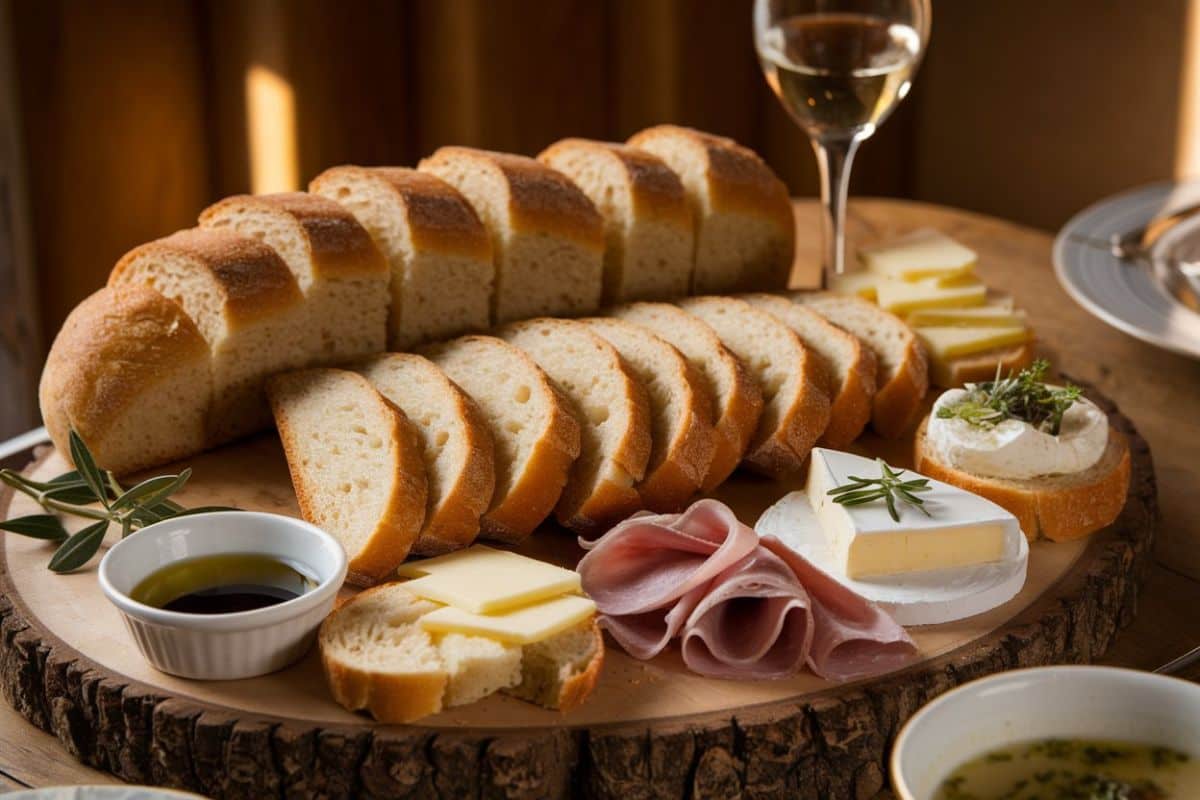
(1055, 507)
(534, 431)
(356, 463)
(442, 275)
(745, 229)
(459, 462)
(981, 366)
(547, 237)
(614, 417)
(737, 401)
(247, 306)
(378, 658)
(341, 273)
(129, 371)
(849, 364)
(682, 437)
(902, 378)
(795, 404)
(647, 219)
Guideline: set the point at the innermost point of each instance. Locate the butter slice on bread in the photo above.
(1055, 507)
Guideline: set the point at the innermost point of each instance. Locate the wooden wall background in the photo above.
(129, 116)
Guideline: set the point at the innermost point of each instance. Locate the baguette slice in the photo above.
(903, 369)
(356, 463)
(647, 220)
(535, 433)
(547, 237)
(849, 364)
(795, 405)
(682, 437)
(459, 460)
(130, 372)
(745, 228)
(614, 417)
(736, 400)
(981, 366)
(245, 303)
(442, 274)
(561, 672)
(1055, 507)
(341, 273)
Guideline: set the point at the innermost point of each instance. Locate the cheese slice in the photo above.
(902, 297)
(523, 625)
(861, 284)
(924, 253)
(962, 528)
(951, 341)
(993, 314)
(483, 580)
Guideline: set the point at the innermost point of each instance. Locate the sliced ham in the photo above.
(741, 608)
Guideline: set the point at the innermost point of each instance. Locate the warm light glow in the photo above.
(271, 131)
(1187, 135)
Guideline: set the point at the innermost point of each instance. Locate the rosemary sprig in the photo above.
(1022, 396)
(92, 493)
(889, 487)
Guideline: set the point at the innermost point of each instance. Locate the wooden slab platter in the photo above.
(651, 729)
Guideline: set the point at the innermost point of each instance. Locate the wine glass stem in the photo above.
(834, 158)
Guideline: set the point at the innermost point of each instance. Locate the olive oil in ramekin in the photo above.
(222, 584)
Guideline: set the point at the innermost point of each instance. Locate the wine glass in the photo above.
(839, 67)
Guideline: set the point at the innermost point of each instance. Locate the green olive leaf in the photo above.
(86, 465)
(79, 548)
(36, 526)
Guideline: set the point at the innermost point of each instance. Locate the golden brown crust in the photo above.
(541, 199)
(114, 347)
(340, 246)
(439, 218)
(404, 512)
(898, 400)
(654, 187)
(981, 366)
(578, 687)
(250, 275)
(1058, 508)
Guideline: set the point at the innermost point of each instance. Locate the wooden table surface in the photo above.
(1156, 389)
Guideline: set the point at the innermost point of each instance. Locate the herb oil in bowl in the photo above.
(1074, 769)
(222, 584)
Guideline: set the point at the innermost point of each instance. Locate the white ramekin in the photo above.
(224, 646)
(1042, 703)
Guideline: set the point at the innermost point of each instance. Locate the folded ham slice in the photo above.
(742, 608)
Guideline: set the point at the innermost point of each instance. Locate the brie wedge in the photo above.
(961, 529)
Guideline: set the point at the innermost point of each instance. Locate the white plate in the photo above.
(1125, 295)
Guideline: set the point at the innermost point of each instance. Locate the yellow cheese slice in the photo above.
(988, 315)
(524, 625)
(902, 297)
(945, 342)
(861, 284)
(483, 580)
(924, 253)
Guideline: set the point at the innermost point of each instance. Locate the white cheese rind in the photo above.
(483, 580)
(1015, 449)
(962, 529)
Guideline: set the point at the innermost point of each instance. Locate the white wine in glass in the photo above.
(839, 68)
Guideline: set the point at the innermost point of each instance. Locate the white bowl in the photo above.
(224, 646)
(1042, 703)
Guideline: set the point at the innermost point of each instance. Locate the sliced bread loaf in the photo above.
(547, 237)
(534, 431)
(614, 417)
(745, 231)
(736, 399)
(130, 372)
(440, 255)
(459, 462)
(795, 405)
(357, 466)
(1055, 507)
(681, 429)
(647, 220)
(902, 376)
(341, 273)
(247, 306)
(560, 672)
(849, 364)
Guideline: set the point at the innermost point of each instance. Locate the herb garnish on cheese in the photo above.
(1023, 396)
